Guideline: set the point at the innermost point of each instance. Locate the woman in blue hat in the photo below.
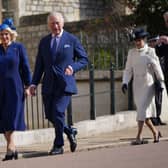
(142, 63)
(15, 77)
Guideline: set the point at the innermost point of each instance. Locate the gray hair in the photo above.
(55, 14)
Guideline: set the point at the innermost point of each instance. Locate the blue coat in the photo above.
(14, 74)
(51, 68)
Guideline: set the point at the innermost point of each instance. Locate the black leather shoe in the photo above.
(72, 139)
(56, 151)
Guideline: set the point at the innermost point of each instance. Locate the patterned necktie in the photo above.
(54, 47)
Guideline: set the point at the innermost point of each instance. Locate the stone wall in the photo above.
(30, 37)
(73, 10)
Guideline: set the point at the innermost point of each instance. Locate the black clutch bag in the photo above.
(158, 90)
(157, 84)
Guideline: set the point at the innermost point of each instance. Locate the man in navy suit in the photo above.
(60, 56)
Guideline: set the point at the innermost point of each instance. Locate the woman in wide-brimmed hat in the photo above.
(15, 76)
(141, 64)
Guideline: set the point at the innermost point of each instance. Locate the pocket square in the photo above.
(66, 46)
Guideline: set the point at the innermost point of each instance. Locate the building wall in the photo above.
(73, 10)
(30, 37)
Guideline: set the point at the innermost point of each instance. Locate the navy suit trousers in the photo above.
(55, 107)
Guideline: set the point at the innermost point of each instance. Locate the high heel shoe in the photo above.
(16, 155)
(158, 136)
(13, 155)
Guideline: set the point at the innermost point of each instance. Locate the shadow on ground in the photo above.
(32, 154)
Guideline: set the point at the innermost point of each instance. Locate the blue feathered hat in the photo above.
(9, 21)
(7, 24)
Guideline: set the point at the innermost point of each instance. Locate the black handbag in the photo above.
(158, 90)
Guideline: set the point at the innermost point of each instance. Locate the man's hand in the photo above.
(69, 70)
(124, 88)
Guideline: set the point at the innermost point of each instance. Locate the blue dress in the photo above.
(14, 75)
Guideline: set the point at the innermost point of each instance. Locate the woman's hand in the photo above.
(32, 90)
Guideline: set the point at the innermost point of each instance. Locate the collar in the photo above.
(143, 48)
(5, 46)
(59, 35)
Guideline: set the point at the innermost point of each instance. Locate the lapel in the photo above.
(61, 43)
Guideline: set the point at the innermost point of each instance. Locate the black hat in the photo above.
(139, 33)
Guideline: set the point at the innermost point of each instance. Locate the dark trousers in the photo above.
(58, 141)
(55, 107)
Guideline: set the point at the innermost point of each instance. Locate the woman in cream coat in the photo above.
(141, 64)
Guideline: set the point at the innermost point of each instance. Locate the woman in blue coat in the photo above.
(15, 77)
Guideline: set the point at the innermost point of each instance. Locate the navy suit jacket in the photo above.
(51, 68)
